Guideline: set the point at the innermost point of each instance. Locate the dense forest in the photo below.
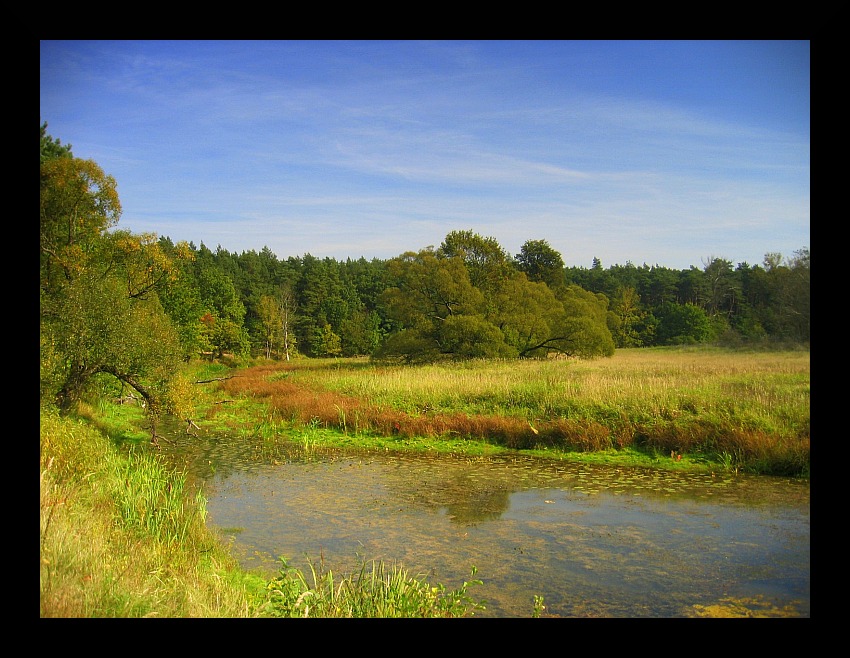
(530, 305)
(133, 306)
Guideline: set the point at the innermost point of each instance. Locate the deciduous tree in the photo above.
(541, 262)
(100, 312)
(78, 203)
(486, 262)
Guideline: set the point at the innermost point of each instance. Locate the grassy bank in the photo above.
(711, 408)
(121, 538)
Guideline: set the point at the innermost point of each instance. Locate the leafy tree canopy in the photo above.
(541, 262)
(100, 312)
(443, 314)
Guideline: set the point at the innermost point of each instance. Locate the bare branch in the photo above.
(215, 379)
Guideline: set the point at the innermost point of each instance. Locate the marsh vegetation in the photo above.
(123, 535)
(697, 407)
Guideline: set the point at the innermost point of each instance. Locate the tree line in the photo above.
(469, 298)
(132, 306)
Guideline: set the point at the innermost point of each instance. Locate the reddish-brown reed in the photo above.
(302, 404)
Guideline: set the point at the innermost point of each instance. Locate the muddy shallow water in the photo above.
(592, 541)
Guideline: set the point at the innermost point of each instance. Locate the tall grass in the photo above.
(120, 537)
(753, 406)
(376, 591)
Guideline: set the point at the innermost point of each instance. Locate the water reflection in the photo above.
(593, 541)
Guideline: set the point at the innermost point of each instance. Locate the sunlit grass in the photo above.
(376, 591)
(752, 406)
(120, 538)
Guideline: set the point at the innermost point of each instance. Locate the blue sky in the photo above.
(652, 152)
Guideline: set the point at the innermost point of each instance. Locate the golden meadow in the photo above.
(741, 410)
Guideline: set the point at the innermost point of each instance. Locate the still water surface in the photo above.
(592, 541)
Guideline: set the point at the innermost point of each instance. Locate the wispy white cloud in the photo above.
(372, 148)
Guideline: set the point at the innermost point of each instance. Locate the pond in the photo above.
(592, 541)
